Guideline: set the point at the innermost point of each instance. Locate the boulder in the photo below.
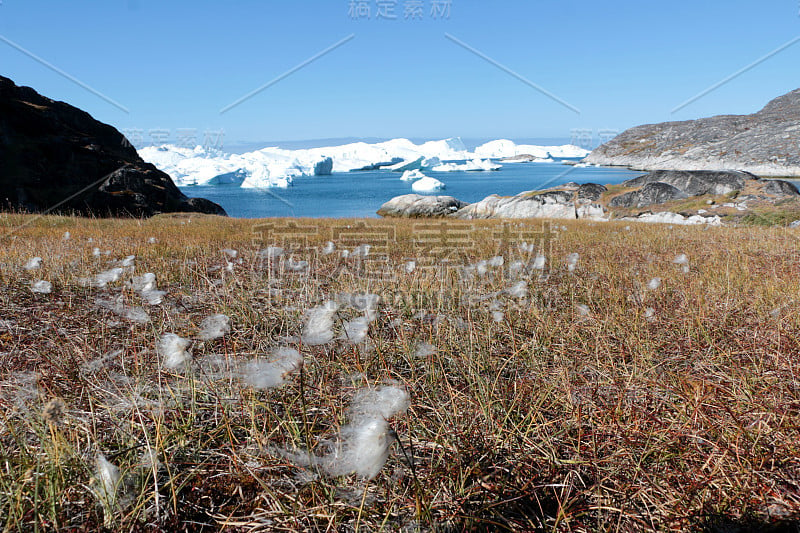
(55, 157)
(780, 188)
(551, 204)
(667, 217)
(590, 192)
(696, 182)
(764, 143)
(418, 206)
(651, 193)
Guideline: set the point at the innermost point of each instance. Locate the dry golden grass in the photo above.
(670, 409)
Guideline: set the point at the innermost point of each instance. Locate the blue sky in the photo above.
(175, 64)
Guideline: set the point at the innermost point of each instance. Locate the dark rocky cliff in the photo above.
(54, 154)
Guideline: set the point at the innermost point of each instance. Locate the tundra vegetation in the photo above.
(198, 373)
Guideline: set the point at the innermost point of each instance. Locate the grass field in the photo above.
(615, 391)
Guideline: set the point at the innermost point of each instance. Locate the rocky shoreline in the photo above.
(677, 197)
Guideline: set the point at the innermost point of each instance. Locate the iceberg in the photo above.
(527, 158)
(503, 148)
(277, 167)
(427, 184)
(403, 166)
(476, 165)
(411, 175)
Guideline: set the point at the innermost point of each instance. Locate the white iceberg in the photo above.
(411, 175)
(403, 166)
(503, 148)
(475, 165)
(277, 167)
(427, 184)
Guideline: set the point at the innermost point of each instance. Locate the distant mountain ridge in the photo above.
(766, 143)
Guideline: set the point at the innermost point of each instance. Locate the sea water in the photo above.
(361, 194)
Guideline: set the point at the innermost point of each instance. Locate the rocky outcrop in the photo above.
(667, 217)
(651, 193)
(764, 143)
(553, 204)
(591, 201)
(419, 206)
(53, 154)
(696, 182)
(577, 202)
(668, 185)
(780, 188)
(590, 192)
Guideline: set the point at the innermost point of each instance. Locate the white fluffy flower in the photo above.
(355, 331)
(108, 481)
(681, 259)
(42, 287)
(572, 261)
(518, 290)
(214, 327)
(272, 373)
(318, 327)
(33, 263)
(174, 350)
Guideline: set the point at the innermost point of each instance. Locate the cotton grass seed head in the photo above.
(214, 327)
(363, 449)
(42, 287)
(272, 373)
(33, 263)
(174, 350)
(497, 261)
(318, 327)
(383, 402)
(572, 261)
(518, 290)
(355, 331)
(296, 266)
(424, 349)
